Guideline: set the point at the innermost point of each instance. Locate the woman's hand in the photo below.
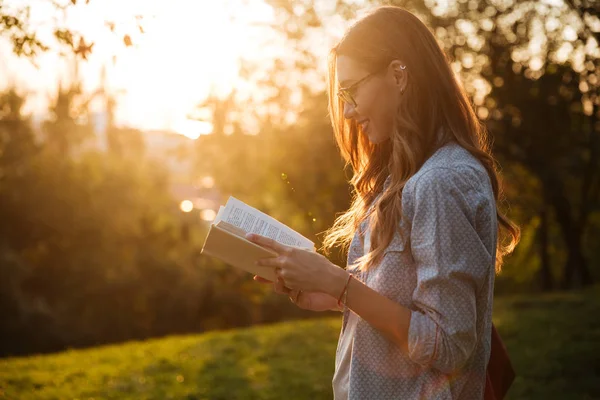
(312, 301)
(302, 269)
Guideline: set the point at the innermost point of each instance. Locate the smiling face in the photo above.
(377, 97)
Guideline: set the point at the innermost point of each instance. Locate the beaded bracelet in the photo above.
(344, 292)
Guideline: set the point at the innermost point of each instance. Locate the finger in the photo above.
(267, 242)
(280, 278)
(294, 295)
(270, 262)
(261, 279)
(280, 288)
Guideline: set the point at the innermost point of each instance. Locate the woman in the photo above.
(423, 228)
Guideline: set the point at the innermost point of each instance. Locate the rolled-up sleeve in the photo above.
(451, 263)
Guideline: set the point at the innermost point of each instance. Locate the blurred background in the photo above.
(125, 124)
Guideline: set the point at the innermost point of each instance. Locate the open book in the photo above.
(226, 237)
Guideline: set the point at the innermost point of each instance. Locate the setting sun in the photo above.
(187, 50)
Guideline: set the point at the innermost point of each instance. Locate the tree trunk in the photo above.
(545, 273)
(576, 273)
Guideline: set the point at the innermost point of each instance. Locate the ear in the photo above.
(400, 74)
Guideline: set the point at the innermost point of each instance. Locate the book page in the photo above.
(220, 214)
(249, 219)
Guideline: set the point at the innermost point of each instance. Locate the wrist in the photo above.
(337, 282)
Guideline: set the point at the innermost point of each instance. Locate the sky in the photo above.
(188, 49)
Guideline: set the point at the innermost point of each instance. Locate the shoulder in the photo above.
(451, 173)
(450, 166)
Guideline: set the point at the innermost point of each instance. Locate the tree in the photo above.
(16, 26)
(543, 114)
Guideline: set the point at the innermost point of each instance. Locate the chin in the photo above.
(374, 136)
(376, 139)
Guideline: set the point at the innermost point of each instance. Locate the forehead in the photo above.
(348, 70)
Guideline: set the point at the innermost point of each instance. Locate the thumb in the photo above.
(266, 242)
(280, 288)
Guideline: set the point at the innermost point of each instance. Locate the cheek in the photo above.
(384, 115)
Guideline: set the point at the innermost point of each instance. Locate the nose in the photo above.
(349, 111)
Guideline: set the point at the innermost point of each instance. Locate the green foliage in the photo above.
(14, 26)
(94, 249)
(552, 339)
(25, 40)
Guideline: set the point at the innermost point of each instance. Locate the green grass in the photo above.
(554, 342)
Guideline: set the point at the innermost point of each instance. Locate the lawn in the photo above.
(554, 342)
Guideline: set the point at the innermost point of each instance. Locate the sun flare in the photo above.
(187, 50)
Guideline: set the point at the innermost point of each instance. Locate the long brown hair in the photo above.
(433, 100)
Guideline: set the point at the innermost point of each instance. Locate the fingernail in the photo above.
(249, 236)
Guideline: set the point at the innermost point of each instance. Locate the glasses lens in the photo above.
(346, 96)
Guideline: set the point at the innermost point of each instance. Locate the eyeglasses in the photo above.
(347, 94)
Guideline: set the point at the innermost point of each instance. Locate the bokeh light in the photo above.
(186, 206)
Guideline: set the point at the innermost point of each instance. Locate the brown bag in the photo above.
(500, 373)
